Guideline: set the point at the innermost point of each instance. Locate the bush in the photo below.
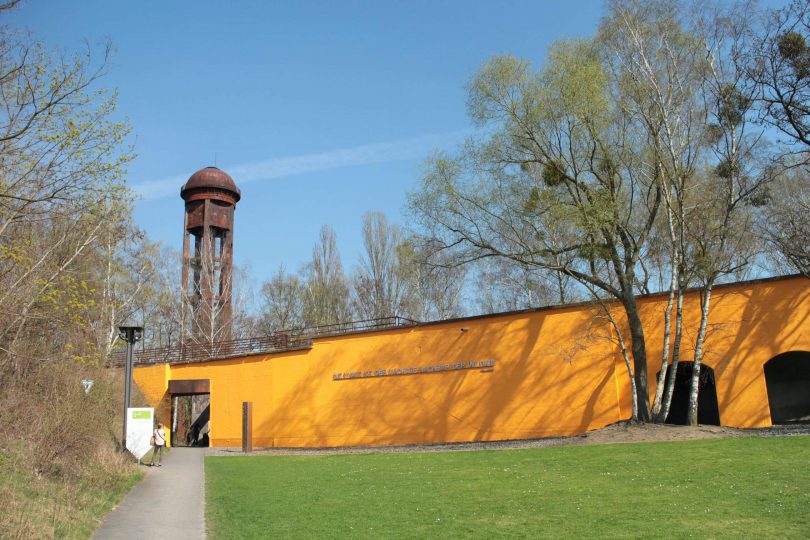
(60, 462)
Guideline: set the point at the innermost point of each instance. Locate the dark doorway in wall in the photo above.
(190, 419)
(708, 411)
(191, 411)
(787, 377)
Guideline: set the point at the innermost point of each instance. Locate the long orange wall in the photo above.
(557, 372)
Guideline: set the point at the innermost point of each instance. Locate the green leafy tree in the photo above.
(622, 163)
(61, 186)
(556, 187)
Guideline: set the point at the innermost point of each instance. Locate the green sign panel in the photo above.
(141, 415)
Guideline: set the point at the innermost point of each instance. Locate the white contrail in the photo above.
(366, 154)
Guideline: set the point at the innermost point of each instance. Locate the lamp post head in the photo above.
(130, 334)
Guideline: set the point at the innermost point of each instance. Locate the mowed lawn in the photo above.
(733, 488)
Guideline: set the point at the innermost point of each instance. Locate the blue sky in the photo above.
(320, 111)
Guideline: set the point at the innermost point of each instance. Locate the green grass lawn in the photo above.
(750, 488)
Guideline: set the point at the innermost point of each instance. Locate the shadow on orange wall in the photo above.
(558, 372)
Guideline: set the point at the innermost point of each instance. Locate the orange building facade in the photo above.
(541, 373)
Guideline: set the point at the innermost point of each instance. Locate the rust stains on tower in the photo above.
(210, 197)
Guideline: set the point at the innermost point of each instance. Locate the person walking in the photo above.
(159, 438)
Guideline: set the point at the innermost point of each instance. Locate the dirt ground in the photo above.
(622, 432)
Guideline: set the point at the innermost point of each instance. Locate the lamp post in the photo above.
(130, 334)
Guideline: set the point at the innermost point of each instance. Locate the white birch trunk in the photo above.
(695, 383)
(666, 401)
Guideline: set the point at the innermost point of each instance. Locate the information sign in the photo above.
(140, 425)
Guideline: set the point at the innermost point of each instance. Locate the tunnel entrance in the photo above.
(787, 377)
(708, 411)
(191, 412)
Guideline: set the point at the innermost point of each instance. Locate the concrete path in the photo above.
(168, 503)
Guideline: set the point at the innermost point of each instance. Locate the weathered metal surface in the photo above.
(210, 197)
(247, 426)
(283, 340)
(200, 352)
(210, 178)
(353, 326)
(190, 386)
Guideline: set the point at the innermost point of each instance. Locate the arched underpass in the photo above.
(787, 377)
(708, 411)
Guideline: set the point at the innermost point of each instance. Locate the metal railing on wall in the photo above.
(282, 340)
(353, 326)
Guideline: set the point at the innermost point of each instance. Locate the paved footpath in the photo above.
(168, 503)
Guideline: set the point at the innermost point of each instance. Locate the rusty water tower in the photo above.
(210, 196)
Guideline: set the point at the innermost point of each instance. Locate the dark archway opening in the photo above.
(190, 419)
(708, 411)
(787, 377)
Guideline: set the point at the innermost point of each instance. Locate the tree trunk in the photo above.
(666, 402)
(695, 383)
(639, 357)
(627, 363)
(662, 376)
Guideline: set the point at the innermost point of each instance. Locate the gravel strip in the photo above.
(446, 447)
(622, 432)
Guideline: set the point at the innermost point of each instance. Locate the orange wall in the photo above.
(748, 325)
(557, 372)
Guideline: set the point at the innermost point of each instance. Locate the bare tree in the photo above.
(160, 303)
(326, 296)
(435, 282)
(127, 273)
(282, 303)
(787, 218)
(221, 299)
(211, 298)
(504, 285)
(776, 57)
(379, 283)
